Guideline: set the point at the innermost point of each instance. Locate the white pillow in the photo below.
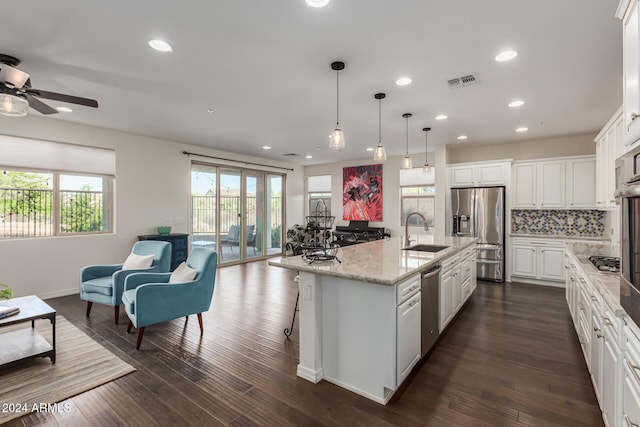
(135, 262)
(183, 273)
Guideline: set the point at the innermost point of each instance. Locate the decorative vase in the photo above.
(164, 230)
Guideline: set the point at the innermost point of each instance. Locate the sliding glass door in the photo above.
(238, 212)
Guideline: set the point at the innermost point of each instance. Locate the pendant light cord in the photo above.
(426, 139)
(337, 97)
(379, 121)
(406, 136)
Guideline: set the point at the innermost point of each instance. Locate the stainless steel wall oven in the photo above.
(628, 195)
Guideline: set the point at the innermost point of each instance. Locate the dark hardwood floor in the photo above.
(511, 358)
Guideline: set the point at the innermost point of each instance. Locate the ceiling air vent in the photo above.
(463, 81)
(290, 154)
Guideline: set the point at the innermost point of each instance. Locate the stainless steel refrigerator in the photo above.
(479, 212)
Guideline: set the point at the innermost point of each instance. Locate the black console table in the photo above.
(179, 245)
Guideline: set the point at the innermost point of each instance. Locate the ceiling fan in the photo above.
(16, 93)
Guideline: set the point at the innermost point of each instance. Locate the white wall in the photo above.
(390, 191)
(573, 145)
(152, 188)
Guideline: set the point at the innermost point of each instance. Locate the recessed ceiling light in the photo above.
(517, 103)
(370, 148)
(442, 117)
(506, 55)
(160, 45)
(266, 147)
(522, 129)
(308, 156)
(64, 109)
(317, 3)
(403, 81)
(462, 137)
(210, 110)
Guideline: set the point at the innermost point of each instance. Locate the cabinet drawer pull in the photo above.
(607, 321)
(628, 421)
(596, 329)
(593, 298)
(599, 335)
(634, 116)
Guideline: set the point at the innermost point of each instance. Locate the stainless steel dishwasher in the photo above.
(430, 284)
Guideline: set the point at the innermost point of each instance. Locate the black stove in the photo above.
(605, 264)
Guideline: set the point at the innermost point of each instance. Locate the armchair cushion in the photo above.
(100, 285)
(183, 273)
(136, 262)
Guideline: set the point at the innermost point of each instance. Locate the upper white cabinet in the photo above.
(555, 184)
(628, 12)
(581, 183)
(609, 146)
(479, 174)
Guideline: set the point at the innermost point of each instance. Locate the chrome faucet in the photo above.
(407, 242)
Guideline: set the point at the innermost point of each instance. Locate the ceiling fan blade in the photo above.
(40, 106)
(63, 98)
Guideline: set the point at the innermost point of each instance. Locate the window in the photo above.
(50, 203)
(417, 199)
(319, 192)
(51, 188)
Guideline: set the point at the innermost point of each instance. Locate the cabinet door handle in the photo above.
(599, 335)
(607, 321)
(628, 421)
(634, 116)
(596, 329)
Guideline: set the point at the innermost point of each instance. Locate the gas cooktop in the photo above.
(605, 264)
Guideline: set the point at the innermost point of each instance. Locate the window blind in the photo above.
(25, 153)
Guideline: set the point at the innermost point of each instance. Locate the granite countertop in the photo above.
(559, 236)
(608, 285)
(380, 261)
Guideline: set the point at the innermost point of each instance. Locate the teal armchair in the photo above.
(104, 284)
(149, 298)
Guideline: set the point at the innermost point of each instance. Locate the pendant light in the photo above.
(426, 169)
(379, 154)
(406, 161)
(336, 142)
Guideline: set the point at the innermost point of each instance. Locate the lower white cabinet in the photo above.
(631, 382)
(408, 336)
(611, 370)
(538, 259)
(449, 280)
(457, 283)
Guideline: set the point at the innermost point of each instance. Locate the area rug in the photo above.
(81, 364)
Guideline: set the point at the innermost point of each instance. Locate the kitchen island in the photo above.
(354, 327)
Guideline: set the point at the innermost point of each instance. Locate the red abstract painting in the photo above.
(362, 193)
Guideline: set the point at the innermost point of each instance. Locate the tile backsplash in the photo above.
(579, 223)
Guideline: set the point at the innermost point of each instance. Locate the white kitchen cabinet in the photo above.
(539, 259)
(446, 298)
(478, 174)
(612, 371)
(597, 348)
(524, 261)
(551, 188)
(457, 283)
(581, 184)
(628, 12)
(551, 263)
(555, 184)
(408, 336)
(631, 382)
(609, 146)
(524, 185)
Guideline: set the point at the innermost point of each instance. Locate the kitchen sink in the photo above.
(425, 248)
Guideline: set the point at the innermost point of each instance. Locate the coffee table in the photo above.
(27, 343)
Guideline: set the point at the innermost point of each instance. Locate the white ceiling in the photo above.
(264, 67)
